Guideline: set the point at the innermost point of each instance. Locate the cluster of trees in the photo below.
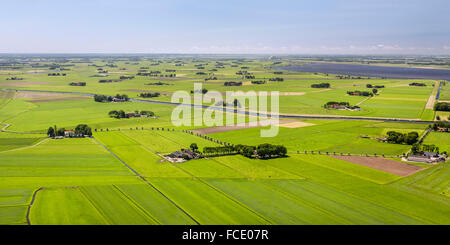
(126, 77)
(109, 80)
(258, 82)
(104, 98)
(57, 74)
(416, 148)
(332, 104)
(201, 73)
(123, 114)
(232, 83)
(118, 114)
(80, 130)
(78, 84)
(442, 106)
(83, 129)
(249, 76)
(360, 93)
(374, 86)
(401, 138)
(157, 83)
(320, 85)
(211, 78)
(278, 72)
(276, 79)
(14, 78)
(168, 70)
(441, 125)
(203, 91)
(417, 84)
(263, 151)
(149, 95)
(154, 74)
(346, 77)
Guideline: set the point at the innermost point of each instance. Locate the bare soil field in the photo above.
(32, 95)
(60, 99)
(296, 124)
(383, 164)
(47, 97)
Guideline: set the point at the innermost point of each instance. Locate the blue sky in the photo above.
(276, 27)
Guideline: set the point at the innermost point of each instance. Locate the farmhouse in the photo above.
(69, 133)
(427, 157)
(182, 156)
(117, 100)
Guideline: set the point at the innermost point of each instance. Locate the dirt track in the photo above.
(383, 164)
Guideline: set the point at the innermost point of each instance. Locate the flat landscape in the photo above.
(340, 166)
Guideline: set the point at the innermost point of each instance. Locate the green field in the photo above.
(119, 176)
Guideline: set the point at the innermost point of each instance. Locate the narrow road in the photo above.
(26, 147)
(288, 116)
(150, 184)
(433, 95)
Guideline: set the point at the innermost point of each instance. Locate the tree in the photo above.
(411, 138)
(375, 91)
(51, 132)
(83, 129)
(194, 147)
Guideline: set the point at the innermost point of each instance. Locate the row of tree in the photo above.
(276, 79)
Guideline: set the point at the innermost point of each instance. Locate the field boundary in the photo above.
(292, 116)
(33, 198)
(141, 177)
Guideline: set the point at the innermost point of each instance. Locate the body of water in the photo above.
(372, 71)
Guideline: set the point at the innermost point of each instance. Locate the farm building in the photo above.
(427, 157)
(69, 133)
(182, 156)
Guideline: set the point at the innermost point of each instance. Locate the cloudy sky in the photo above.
(269, 27)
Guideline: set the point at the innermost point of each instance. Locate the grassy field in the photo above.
(329, 136)
(120, 176)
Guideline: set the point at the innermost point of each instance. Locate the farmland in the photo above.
(121, 175)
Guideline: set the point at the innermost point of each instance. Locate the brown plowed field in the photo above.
(383, 164)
